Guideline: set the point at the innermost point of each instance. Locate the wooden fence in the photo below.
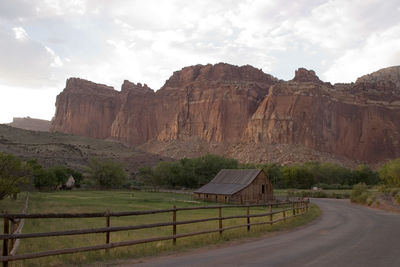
(287, 209)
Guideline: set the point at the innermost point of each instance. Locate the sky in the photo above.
(44, 42)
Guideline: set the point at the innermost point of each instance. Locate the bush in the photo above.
(397, 197)
(107, 173)
(359, 194)
(390, 173)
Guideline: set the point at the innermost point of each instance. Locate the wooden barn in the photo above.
(238, 186)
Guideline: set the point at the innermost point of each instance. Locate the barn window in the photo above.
(263, 188)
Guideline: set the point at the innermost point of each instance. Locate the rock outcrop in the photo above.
(86, 108)
(227, 107)
(354, 120)
(31, 124)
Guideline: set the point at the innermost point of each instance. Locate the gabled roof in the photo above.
(229, 181)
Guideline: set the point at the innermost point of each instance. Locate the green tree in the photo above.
(61, 173)
(274, 173)
(390, 173)
(14, 172)
(44, 179)
(169, 173)
(297, 177)
(107, 173)
(364, 174)
(206, 167)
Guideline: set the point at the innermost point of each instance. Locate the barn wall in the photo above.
(253, 193)
(250, 194)
(212, 197)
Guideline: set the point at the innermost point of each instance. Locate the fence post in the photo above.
(248, 218)
(284, 214)
(270, 216)
(174, 224)
(5, 241)
(294, 208)
(220, 220)
(308, 201)
(107, 225)
(14, 227)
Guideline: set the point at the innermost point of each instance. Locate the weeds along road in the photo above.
(344, 235)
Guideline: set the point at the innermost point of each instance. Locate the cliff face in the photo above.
(86, 108)
(211, 102)
(359, 121)
(224, 106)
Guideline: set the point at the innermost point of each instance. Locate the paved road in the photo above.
(345, 235)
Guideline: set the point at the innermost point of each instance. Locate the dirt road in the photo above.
(345, 235)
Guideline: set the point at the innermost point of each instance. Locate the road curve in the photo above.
(344, 235)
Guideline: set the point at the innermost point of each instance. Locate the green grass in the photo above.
(99, 201)
(326, 193)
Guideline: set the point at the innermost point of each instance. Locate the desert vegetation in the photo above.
(387, 194)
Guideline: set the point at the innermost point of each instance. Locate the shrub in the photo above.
(359, 194)
(390, 173)
(397, 197)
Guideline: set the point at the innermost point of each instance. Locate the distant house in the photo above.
(237, 185)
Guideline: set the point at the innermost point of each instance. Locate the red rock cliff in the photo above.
(359, 121)
(213, 102)
(242, 105)
(86, 108)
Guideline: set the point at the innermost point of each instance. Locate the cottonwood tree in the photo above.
(14, 172)
(107, 173)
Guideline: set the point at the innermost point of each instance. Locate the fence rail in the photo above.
(288, 209)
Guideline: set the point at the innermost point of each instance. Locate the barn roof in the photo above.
(228, 181)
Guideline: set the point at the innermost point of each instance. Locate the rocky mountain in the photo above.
(32, 124)
(242, 112)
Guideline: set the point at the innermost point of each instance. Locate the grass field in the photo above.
(326, 193)
(99, 201)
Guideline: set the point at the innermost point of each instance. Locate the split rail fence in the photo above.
(288, 209)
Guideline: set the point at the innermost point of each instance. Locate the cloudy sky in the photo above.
(43, 42)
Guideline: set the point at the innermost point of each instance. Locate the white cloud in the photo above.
(56, 59)
(379, 51)
(24, 62)
(20, 33)
(47, 41)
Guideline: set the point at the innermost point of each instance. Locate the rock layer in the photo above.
(229, 106)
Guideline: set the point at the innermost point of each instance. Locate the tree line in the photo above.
(17, 174)
(195, 172)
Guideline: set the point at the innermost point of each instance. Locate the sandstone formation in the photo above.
(86, 108)
(31, 124)
(359, 121)
(228, 109)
